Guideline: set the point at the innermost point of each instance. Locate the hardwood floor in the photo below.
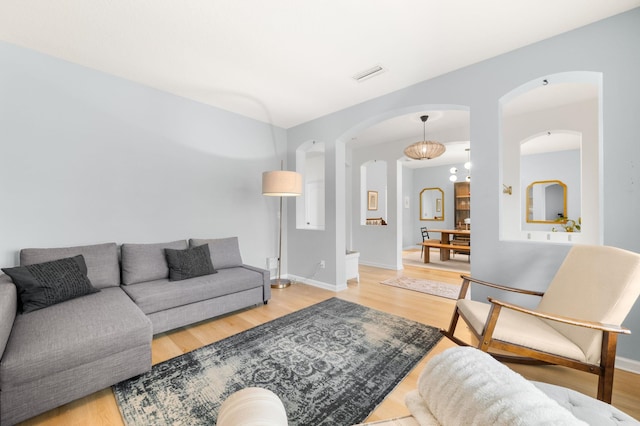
(101, 409)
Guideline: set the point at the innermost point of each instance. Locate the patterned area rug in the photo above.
(331, 364)
(437, 288)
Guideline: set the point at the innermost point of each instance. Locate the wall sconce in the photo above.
(507, 189)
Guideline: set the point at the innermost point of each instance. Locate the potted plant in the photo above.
(568, 225)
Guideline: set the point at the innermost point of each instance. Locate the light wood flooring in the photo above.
(101, 409)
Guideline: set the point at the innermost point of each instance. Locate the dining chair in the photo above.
(425, 237)
(576, 323)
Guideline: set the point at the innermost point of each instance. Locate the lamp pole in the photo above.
(281, 183)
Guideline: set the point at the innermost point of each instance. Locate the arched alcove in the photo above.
(310, 207)
(561, 115)
(386, 243)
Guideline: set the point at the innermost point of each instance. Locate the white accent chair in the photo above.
(576, 323)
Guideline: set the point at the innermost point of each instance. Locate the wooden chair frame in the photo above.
(527, 355)
(425, 233)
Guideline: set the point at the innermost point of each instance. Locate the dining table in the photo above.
(446, 239)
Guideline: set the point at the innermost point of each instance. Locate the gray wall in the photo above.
(609, 46)
(88, 158)
(435, 177)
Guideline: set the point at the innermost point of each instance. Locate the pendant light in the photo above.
(467, 166)
(424, 150)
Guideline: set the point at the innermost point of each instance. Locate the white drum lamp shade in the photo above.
(281, 183)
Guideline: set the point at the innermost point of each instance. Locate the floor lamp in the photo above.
(281, 183)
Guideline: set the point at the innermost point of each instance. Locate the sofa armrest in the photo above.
(8, 309)
(266, 280)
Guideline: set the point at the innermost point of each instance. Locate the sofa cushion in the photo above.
(586, 408)
(72, 333)
(146, 262)
(225, 252)
(540, 335)
(103, 269)
(45, 284)
(189, 263)
(155, 296)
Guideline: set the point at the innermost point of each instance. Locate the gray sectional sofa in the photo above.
(55, 354)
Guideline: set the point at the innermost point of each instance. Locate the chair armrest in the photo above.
(501, 287)
(559, 318)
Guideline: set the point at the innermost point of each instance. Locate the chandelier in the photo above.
(424, 150)
(467, 166)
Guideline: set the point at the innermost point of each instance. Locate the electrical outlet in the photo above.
(272, 262)
(322, 264)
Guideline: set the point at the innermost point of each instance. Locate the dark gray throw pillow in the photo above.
(45, 284)
(189, 263)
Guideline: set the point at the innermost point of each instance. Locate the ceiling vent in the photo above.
(367, 74)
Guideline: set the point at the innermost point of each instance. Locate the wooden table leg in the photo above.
(426, 254)
(444, 253)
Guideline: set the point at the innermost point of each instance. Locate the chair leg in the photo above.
(449, 334)
(456, 315)
(487, 333)
(607, 366)
(452, 325)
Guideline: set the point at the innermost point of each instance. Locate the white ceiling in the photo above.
(450, 127)
(286, 62)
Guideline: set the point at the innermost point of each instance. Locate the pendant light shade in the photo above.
(424, 150)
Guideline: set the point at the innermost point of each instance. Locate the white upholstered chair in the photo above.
(576, 323)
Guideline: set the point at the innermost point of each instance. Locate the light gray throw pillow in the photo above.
(146, 262)
(225, 252)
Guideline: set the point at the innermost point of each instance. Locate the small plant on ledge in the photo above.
(567, 225)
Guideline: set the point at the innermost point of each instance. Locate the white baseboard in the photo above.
(627, 364)
(320, 284)
(380, 265)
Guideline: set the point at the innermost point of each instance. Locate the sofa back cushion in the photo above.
(146, 262)
(225, 252)
(101, 259)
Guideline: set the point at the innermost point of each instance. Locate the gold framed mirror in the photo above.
(432, 204)
(546, 201)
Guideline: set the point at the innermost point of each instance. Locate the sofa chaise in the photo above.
(102, 333)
